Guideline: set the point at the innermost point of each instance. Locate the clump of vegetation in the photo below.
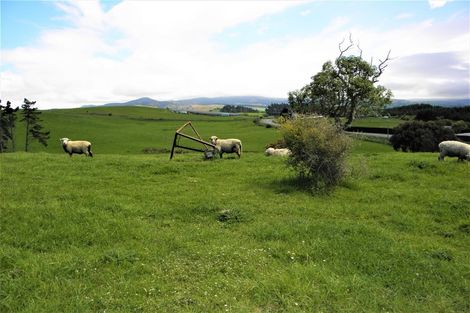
(418, 136)
(319, 150)
(237, 109)
(278, 144)
(230, 216)
(277, 108)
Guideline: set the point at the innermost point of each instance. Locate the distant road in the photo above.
(272, 123)
(359, 134)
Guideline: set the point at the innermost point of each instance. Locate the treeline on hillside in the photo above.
(427, 112)
(237, 109)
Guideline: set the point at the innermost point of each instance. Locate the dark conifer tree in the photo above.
(7, 126)
(34, 130)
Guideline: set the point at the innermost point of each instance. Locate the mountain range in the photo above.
(263, 101)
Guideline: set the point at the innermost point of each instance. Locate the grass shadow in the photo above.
(295, 184)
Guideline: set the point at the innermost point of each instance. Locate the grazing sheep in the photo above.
(277, 152)
(454, 148)
(78, 147)
(227, 145)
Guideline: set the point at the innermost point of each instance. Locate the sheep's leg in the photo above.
(441, 156)
(89, 151)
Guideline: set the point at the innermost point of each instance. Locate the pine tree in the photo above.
(3, 128)
(7, 126)
(33, 126)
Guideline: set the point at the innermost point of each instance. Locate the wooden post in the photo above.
(199, 139)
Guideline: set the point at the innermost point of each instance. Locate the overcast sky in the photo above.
(70, 53)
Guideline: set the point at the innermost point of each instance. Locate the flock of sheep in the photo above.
(450, 148)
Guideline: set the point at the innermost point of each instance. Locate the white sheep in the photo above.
(454, 148)
(227, 145)
(277, 152)
(78, 147)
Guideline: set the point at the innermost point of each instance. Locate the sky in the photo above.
(66, 54)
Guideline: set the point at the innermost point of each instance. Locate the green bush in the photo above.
(418, 136)
(278, 144)
(319, 150)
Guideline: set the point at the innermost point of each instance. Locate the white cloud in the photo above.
(167, 50)
(433, 4)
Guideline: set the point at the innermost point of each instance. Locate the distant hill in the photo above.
(142, 101)
(264, 101)
(234, 100)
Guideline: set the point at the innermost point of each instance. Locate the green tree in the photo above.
(3, 128)
(344, 89)
(277, 108)
(33, 126)
(7, 126)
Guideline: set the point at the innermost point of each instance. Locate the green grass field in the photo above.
(377, 122)
(132, 232)
(129, 130)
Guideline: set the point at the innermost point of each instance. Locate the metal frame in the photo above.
(176, 144)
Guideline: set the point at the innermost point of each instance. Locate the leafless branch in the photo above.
(360, 50)
(382, 66)
(341, 50)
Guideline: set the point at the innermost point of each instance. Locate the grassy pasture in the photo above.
(129, 232)
(129, 130)
(377, 122)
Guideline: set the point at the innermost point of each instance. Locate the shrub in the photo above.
(418, 136)
(460, 126)
(319, 150)
(279, 144)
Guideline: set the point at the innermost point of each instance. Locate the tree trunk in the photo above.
(350, 115)
(12, 136)
(26, 145)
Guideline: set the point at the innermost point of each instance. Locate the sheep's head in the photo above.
(64, 140)
(214, 140)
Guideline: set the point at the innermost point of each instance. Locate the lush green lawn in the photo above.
(377, 122)
(139, 233)
(129, 232)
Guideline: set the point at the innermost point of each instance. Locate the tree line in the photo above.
(30, 117)
(237, 109)
(427, 112)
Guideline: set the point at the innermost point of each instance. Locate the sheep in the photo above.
(227, 145)
(277, 152)
(78, 147)
(454, 148)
